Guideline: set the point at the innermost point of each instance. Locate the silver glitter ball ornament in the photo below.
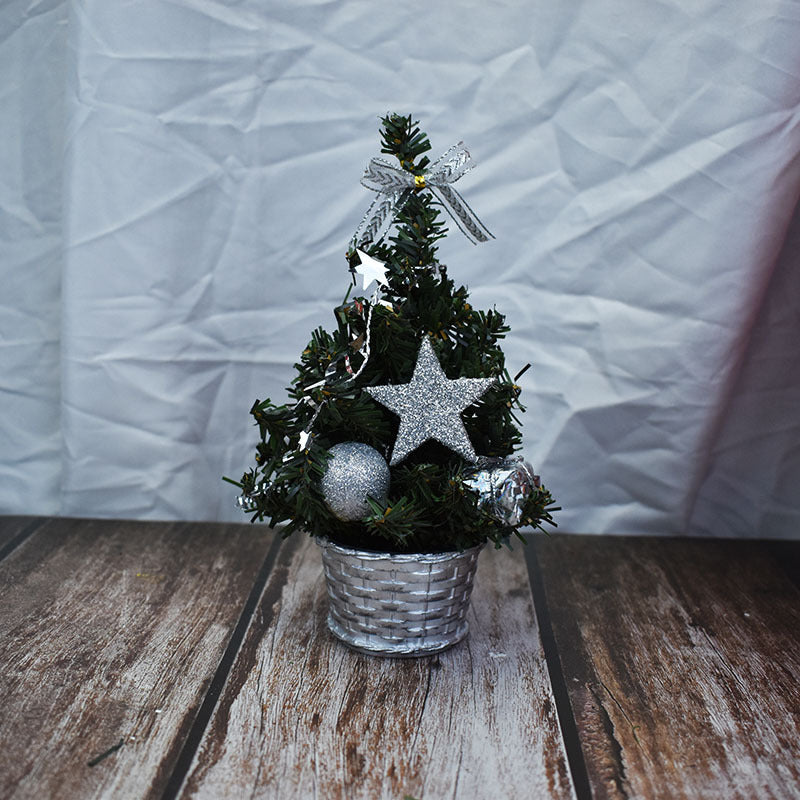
(355, 471)
(504, 486)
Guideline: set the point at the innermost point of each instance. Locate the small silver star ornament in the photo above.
(430, 406)
(371, 269)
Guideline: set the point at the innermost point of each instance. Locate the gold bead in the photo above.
(419, 181)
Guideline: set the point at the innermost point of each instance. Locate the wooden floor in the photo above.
(167, 660)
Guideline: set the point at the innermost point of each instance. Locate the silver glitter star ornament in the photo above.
(430, 406)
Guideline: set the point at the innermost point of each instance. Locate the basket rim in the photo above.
(398, 558)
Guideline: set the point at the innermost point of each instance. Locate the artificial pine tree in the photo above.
(411, 374)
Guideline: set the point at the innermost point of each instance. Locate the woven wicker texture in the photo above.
(400, 605)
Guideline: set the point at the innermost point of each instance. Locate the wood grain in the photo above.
(682, 661)
(12, 528)
(304, 717)
(109, 634)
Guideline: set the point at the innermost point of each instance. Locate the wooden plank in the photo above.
(109, 634)
(787, 555)
(302, 716)
(13, 528)
(682, 661)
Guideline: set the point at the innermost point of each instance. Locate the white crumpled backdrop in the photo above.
(179, 180)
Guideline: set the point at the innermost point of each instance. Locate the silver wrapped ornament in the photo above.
(503, 486)
(354, 472)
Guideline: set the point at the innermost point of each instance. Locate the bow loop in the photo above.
(381, 176)
(451, 165)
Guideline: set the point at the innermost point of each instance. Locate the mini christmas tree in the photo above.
(401, 430)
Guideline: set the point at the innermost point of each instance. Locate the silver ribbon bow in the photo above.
(395, 185)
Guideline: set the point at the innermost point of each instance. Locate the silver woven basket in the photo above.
(395, 604)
